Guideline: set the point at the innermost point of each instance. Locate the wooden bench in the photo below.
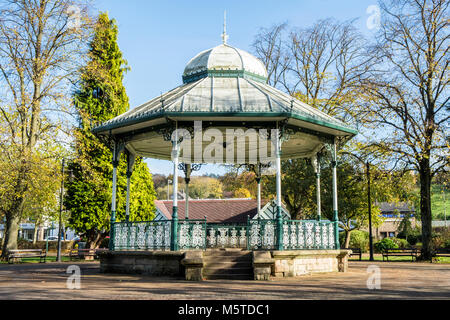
(27, 253)
(355, 252)
(83, 253)
(442, 252)
(412, 252)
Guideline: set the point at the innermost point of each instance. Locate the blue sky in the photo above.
(158, 38)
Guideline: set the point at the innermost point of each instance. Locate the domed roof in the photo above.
(224, 61)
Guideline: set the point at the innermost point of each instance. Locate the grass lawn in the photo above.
(379, 257)
(47, 259)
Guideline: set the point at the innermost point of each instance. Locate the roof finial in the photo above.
(224, 34)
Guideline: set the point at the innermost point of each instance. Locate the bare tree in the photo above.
(328, 59)
(407, 97)
(40, 45)
(269, 47)
(320, 64)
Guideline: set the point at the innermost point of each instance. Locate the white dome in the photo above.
(224, 58)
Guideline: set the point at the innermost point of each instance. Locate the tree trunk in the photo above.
(11, 234)
(425, 208)
(35, 232)
(347, 238)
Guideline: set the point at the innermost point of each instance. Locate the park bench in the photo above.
(412, 252)
(83, 253)
(442, 252)
(14, 255)
(355, 252)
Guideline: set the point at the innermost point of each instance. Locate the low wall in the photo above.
(301, 262)
(189, 264)
(157, 263)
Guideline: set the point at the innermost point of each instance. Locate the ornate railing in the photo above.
(226, 236)
(257, 234)
(153, 235)
(308, 234)
(191, 234)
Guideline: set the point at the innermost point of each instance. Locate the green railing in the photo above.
(226, 235)
(309, 234)
(146, 235)
(257, 234)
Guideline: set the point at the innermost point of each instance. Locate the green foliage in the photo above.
(401, 243)
(100, 97)
(358, 239)
(205, 188)
(383, 245)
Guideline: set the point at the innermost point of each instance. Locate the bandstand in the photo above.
(225, 112)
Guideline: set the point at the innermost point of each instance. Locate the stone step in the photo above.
(215, 271)
(213, 259)
(222, 253)
(230, 277)
(229, 264)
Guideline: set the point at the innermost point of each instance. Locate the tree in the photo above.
(100, 97)
(39, 52)
(203, 187)
(406, 97)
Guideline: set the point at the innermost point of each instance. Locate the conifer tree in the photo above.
(100, 97)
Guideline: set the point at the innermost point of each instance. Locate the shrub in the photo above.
(414, 237)
(383, 245)
(358, 239)
(401, 243)
(447, 244)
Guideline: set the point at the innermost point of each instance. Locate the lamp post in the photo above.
(369, 200)
(58, 255)
(369, 203)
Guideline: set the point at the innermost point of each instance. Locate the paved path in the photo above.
(399, 280)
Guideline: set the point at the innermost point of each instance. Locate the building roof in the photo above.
(215, 210)
(225, 59)
(391, 207)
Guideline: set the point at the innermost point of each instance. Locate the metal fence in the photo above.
(257, 234)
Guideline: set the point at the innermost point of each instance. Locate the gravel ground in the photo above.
(399, 280)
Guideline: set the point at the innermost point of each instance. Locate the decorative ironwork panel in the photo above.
(262, 234)
(192, 234)
(307, 234)
(226, 236)
(154, 235)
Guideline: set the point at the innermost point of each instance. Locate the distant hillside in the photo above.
(437, 202)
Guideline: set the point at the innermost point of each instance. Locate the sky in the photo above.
(158, 38)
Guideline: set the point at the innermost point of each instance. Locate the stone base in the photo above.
(295, 263)
(157, 263)
(189, 264)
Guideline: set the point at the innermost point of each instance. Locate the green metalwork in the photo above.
(162, 113)
(257, 234)
(223, 74)
(174, 239)
(192, 234)
(111, 230)
(279, 229)
(309, 235)
(226, 235)
(142, 235)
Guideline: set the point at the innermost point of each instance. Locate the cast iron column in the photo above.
(174, 240)
(278, 186)
(335, 196)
